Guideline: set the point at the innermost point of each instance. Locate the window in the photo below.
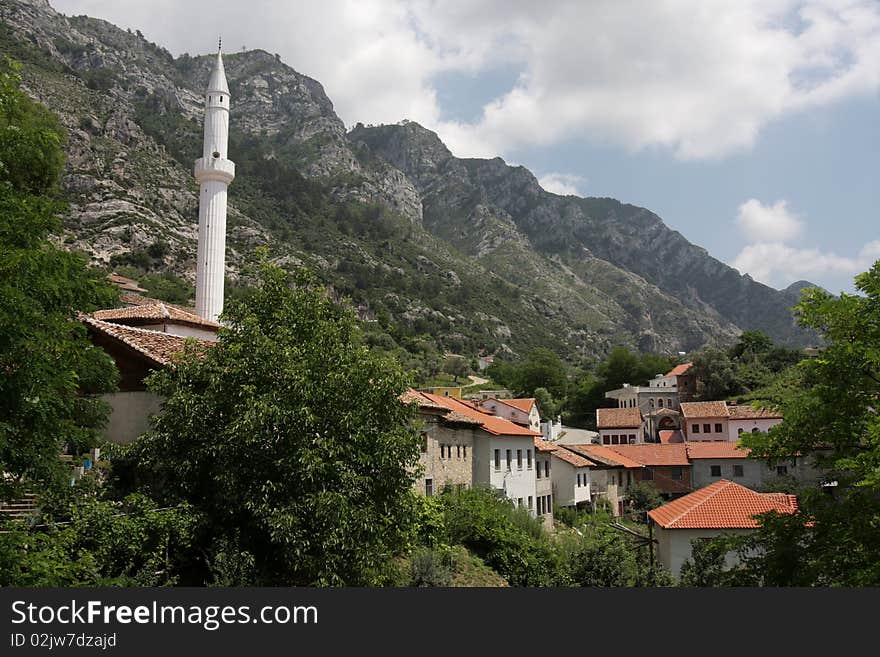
(529, 459)
(615, 440)
(695, 428)
(628, 477)
(718, 428)
(707, 428)
(756, 430)
(647, 474)
(675, 474)
(619, 478)
(737, 471)
(547, 468)
(782, 470)
(519, 501)
(458, 451)
(538, 472)
(632, 438)
(530, 503)
(424, 436)
(497, 460)
(464, 451)
(651, 403)
(579, 481)
(606, 440)
(442, 450)
(519, 459)
(660, 402)
(715, 470)
(507, 454)
(739, 431)
(429, 487)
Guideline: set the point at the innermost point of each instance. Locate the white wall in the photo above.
(674, 545)
(748, 426)
(566, 492)
(755, 472)
(688, 425)
(514, 482)
(182, 330)
(130, 413)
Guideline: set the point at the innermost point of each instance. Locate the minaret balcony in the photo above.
(214, 169)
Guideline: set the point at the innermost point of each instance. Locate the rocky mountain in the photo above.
(471, 254)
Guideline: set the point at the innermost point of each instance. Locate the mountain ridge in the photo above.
(472, 252)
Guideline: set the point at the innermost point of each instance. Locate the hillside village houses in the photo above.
(656, 434)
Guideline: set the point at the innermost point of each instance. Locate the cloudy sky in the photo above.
(750, 126)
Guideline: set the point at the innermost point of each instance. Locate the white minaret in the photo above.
(214, 173)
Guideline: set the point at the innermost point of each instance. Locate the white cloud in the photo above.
(699, 78)
(563, 184)
(768, 223)
(778, 264)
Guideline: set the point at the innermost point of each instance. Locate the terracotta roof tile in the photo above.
(721, 505)
(157, 312)
(543, 446)
(680, 370)
(716, 449)
(489, 423)
(572, 458)
(524, 405)
(704, 409)
(653, 454)
(671, 437)
(161, 348)
(747, 412)
(140, 300)
(602, 455)
(618, 418)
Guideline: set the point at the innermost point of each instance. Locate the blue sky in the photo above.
(752, 127)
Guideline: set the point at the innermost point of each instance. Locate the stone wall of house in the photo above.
(447, 456)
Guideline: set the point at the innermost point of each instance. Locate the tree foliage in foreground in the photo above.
(289, 440)
(46, 360)
(834, 539)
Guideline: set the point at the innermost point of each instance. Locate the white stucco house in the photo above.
(619, 426)
(706, 420)
(503, 453)
(572, 477)
(524, 412)
(748, 419)
(724, 507)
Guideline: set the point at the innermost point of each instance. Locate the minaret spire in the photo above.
(214, 172)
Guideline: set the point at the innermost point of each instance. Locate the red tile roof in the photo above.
(602, 454)
(524, 405)
(747, 412)
(152, 313)
(571, 458)
(653, 454)
(708, 409)
(161, 348)
(720, 449)
(544, 446)
(680, 370)
(721, 505)
(125, 283)
(671, 436)
(140, 300)
(489, 423)
(618, 418)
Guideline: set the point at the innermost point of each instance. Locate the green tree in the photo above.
(643, 497)
(542, 368)
(834, 539)
(48, 366)
(456, 366)
(601, 557)
(289, 439)
(716, 374)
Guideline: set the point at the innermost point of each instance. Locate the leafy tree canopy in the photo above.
(289, 439)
